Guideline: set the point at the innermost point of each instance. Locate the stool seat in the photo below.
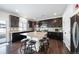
(32, 42)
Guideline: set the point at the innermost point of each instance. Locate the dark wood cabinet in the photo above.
(55, 35)
(56, 22)
(32, 24)
(14, 21)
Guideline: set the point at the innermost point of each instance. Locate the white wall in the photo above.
(66, 24)
(4, 16)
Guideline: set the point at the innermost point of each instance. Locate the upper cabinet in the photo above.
(56, 22)
(14, 21)
(32, 24)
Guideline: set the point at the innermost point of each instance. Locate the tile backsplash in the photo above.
(14, 29)
(54, 29)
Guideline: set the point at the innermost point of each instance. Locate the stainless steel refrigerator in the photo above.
(75, 34)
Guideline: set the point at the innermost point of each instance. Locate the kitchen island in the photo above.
(35, 36)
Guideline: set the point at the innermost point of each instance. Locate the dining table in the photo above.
(36, 36)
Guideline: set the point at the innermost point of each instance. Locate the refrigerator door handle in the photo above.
(75, 34)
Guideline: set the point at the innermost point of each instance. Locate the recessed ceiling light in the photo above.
(55, 14)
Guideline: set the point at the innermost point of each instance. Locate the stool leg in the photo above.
(31, 48)
(24, 47)
(23, 44)
(35, 48)
(21, 48)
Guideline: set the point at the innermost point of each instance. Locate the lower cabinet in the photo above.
(55, 35)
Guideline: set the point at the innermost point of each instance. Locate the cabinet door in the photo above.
(14, 21)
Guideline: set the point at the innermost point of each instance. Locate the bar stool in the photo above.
(31, 45)
(46, 41)
(44, 44)
(23, 45)
(41, 44)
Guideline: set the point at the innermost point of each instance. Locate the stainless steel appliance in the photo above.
(75, 34)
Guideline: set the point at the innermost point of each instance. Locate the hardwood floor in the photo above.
(55, 47)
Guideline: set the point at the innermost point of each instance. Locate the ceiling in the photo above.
(35, 11)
